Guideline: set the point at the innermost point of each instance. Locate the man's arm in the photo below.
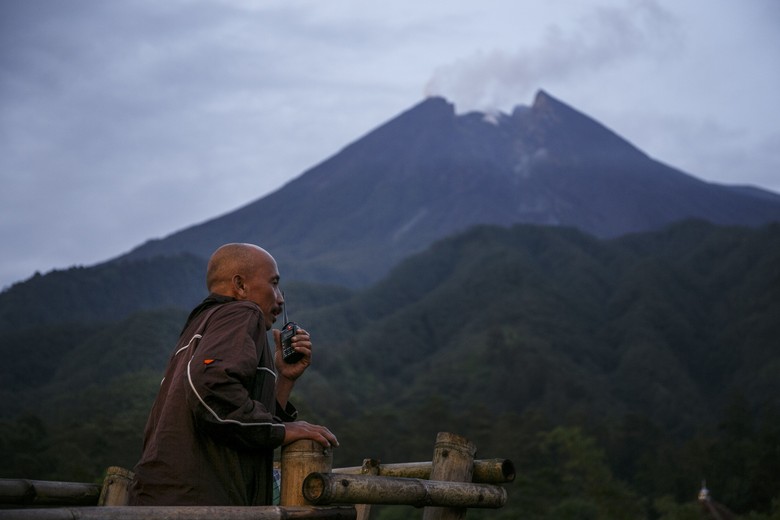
(287, 375)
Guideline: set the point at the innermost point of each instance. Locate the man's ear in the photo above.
(239, 287)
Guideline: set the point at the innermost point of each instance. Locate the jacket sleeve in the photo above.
(221, 373)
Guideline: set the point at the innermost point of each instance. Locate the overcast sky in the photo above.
(126, 120)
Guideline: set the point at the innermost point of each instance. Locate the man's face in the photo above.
(262, 287)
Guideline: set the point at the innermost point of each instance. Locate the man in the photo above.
(223, 405)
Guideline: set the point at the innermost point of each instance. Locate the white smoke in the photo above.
(607, 36)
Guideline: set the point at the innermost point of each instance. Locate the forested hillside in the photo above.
(616, 374)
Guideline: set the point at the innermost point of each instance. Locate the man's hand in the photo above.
(289, 372)
(297, 430)
(301, 342)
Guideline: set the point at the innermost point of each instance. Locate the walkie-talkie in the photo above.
(290, 329)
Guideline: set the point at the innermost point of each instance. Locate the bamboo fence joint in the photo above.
(453, 460)
(300, 458)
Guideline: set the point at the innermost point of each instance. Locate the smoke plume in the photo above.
(607, 36)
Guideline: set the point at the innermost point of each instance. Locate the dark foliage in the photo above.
(617, 375)
(106, 292)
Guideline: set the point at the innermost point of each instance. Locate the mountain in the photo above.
(418, 178)
(429, 173)
(531, 281)
(422, 176)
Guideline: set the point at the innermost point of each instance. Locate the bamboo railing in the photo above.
(24, 492)
(488, 471)
(331, 488)
(446, 487)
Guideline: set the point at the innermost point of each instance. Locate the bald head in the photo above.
(247, 272)
(233, 260)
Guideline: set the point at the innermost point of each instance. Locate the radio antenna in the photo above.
(284, 309)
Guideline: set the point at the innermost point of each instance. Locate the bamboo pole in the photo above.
(330, 488)
(116, 487)
(487, 471)
(181, 513)
(453, 460)
(45, 493)
(298, 459)
(369, 467)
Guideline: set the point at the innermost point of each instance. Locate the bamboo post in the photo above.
(181, 513)
(453, 460)
(298, 459)
(116, 484)
(370, 467)
(488, 471)
(331, 488)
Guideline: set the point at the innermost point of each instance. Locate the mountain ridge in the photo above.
(429, 172)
